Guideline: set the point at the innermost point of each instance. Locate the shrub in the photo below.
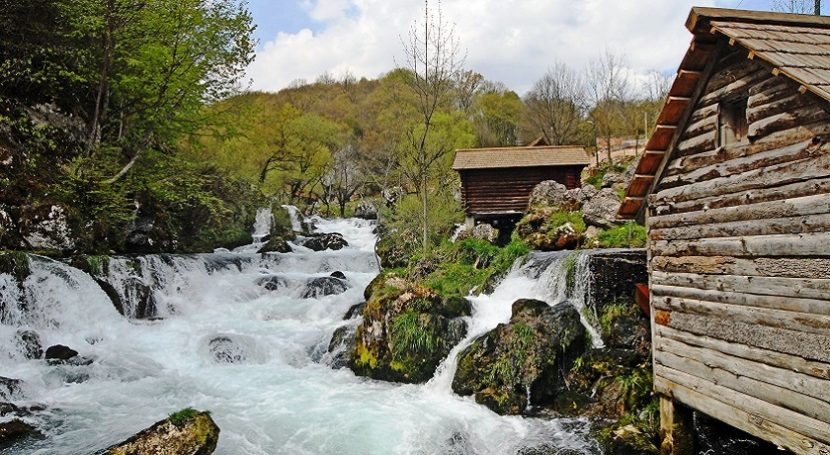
(629, 235)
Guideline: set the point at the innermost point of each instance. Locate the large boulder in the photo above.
(483, 231)
(13, 431)
(323, 286)
(186, 432)
(47, 227)
(328, 241)
(520, 364)
(551, 193)
(601, 209)
(275, 244)
(366, 209)
(341, 346)
(406, 332)
(548, 229)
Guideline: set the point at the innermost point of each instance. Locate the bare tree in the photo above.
(608, 88)
(344, 177)
(434, 60)
(555, 105)
(796, 6)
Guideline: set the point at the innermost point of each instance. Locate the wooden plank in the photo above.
(787, 119)
(728, 265)
(782, 174)
(746, 384)
(764, 356)
(661, 138)
(676, 430)
(809, 244)
(791, 320)
(785, 287)
(746, 159)
(754, 76)
(754, 196)
(810, 346)
(708, 401)
(804, 425)
(673, 110)
(790, 225)
(685, 82)
(793, 381)
(815, 204)
(649, 162)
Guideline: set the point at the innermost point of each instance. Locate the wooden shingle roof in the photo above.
(512, 157)
(795, 46)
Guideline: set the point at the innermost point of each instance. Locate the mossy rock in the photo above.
(406, 332)
(281, 225)
(16, 264)
(187, 432)
(275, 245)
(522, 360)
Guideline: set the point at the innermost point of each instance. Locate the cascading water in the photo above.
(262, 227)
(236, 337)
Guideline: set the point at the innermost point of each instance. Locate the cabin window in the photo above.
(732, 123)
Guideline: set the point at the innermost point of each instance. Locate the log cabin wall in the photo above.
(739, 245)
(507, 190)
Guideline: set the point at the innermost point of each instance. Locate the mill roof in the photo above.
(794, 46)
(516, 157)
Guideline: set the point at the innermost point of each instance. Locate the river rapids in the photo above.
(270, 389)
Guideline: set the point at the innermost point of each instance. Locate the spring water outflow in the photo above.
(231, 333)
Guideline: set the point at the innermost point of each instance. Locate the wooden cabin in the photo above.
(497, 182)
(733, 188)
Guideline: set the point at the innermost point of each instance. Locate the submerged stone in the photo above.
(275, 245)
(187, 432)
(323, 286)
(10, 388)
(28, 343)
(341, 346)
(272, 283)
(225, 350)
(328, 241)
(60, 352)
(13, 431)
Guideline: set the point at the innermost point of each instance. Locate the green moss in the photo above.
(614, 311)
(569, 266)
(364, 357)
(629, 235)
(558, 219)
(180, 418)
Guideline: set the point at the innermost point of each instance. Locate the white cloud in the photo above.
(513, 41)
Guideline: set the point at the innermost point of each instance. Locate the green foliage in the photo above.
(180, 418)
(598, 173)
(411, 335)
(629, 235)
(614, 311)
(558, 219)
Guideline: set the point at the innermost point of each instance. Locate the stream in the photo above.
(218, 340)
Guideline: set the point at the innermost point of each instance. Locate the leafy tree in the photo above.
(497, 116)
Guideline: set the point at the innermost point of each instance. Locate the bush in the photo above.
(629, 235)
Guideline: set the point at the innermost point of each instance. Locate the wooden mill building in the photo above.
(496, 182)
(734, 190)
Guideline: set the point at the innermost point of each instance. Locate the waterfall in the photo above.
(294, 213)
(232, 333)
(558, 278)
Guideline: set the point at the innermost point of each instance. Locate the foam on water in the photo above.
(276, 400)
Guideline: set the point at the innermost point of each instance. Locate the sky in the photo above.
(511, 41)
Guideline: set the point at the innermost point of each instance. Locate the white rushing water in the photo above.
(277, 399)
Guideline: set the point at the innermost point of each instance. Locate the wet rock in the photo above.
(338, 274)
(406, 332)
(271, 283)
(329, 241)
(13, 431)
(551, 193)
(355, 311)
(10, 389)
(28, 343)
(60, 352)
(520, 364)
(323, 286)
(16, 264)
(186, 432)
(47, 228)
(225, 350)
(275, 245)
(341, 347)
(601, 209)
(614, 274)
(631, 440)
(141, 239)
(366, 209)
(714, 437)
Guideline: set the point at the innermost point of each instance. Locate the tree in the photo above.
(497, 114)
(344, 177)
(608, 90)
(433, 60)
(554, 106)
(797, 6)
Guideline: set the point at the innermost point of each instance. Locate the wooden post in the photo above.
(675, 428)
